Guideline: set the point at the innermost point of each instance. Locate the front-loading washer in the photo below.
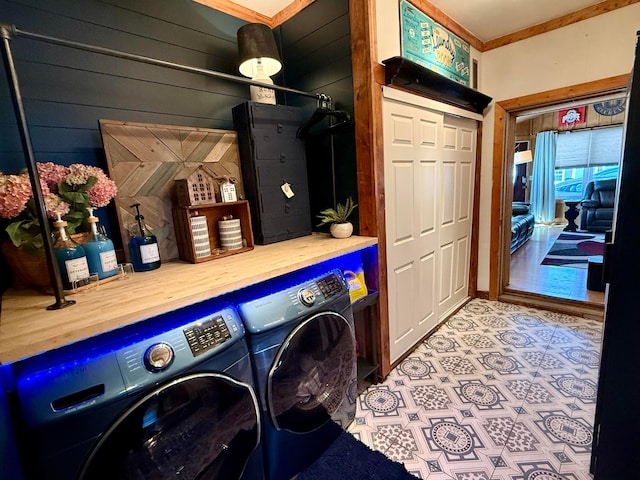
(302, 345)
(172, 398)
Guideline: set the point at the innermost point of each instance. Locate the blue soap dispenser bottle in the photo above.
(71, 257)
(143, 247)
(99, 249)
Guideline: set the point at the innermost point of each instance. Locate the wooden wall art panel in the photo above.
(145, 159)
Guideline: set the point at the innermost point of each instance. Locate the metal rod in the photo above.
(9, 31)
(155, 61)
(41, 211)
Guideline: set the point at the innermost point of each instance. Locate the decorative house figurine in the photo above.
(197, 189)
(228, 188)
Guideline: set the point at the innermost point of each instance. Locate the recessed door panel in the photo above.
(403, 305)
(446, 272)
(462, 263)
(428, 193)
(403, 203)
(465, 191)
(466, 140)
(425, 299)
(402, 130)
(449, 137)
(447, 193)
(428, 133)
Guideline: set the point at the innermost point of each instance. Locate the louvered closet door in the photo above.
(429, 161)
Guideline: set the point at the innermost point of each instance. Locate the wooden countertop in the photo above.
(27, 328)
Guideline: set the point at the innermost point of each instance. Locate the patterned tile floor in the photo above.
(499, 392)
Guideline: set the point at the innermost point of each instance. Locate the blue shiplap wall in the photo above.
(66, 91)
(316, 50)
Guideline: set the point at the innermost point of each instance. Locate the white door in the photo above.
(429, 164)
(455, 206)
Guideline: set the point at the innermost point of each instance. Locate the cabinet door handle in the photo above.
(282, 157)
(280, 128)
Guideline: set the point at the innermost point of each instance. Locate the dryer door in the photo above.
(200, 426)
(311, 373)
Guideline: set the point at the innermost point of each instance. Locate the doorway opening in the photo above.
(507, 283)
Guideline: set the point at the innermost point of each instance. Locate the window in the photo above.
(584, 156)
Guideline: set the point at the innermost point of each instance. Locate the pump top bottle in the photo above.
(99, 249)
(71, 258)
(143, 246)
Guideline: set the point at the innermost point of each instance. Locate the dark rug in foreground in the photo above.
(574, 249)
(350, 459)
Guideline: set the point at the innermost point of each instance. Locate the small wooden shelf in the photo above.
(364, 302)
(213, 213)
(366, 321)
(366, 370)
(411, 76)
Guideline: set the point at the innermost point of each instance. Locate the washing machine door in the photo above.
(310, 375)
(201, 426)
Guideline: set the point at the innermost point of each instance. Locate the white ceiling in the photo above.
(489, 19)
(486, 19)
(266, 7)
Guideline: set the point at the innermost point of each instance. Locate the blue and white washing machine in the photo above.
(172, 398)
(302, 344)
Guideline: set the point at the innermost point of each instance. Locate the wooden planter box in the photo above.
(213, 213)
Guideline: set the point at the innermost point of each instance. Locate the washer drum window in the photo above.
(201, 426)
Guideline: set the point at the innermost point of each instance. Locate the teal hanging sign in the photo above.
(428, 43)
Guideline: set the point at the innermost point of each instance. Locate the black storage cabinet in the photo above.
(271, 156)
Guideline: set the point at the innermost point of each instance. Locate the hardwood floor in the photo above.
(527, 275)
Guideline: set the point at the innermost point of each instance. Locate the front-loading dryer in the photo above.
(302, 344)
(175, 400)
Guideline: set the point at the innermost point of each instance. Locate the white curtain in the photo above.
(543, 200)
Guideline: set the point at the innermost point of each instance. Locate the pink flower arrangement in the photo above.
(15, 191)
(67, 191)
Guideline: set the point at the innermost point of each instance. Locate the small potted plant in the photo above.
(338, 218)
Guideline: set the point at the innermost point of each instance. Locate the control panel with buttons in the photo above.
(206, 335)
(330, 285)
(177, 349)
(270, 311)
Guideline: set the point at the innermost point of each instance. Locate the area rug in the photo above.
(350, 459)
(574, 249)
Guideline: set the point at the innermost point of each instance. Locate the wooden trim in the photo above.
(504, 113)
(435, 13)
(496, 201)
(289, 12)
(447, 22)
(506, 199)
(574, 92)
(482, 294)
(570, 18)
(370, 152)
(249, 15)
(236, 10)
(561, 305)
(475, 223)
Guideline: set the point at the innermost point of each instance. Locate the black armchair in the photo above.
(597, 205)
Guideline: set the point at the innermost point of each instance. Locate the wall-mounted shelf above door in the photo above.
(413, 77)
